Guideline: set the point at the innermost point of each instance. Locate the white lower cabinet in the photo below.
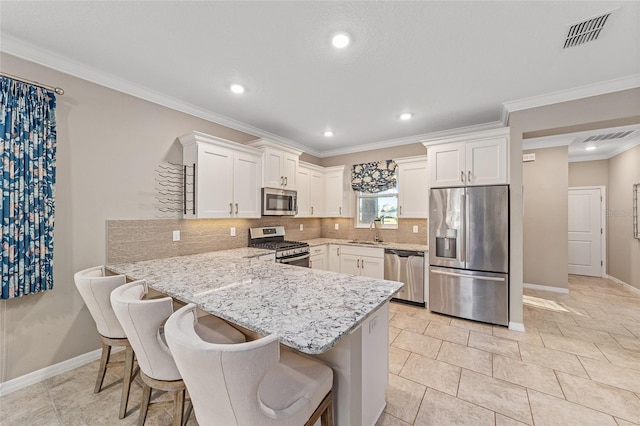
(365, 261)
(318, 258)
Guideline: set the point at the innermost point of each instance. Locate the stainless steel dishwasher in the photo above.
(406, 266)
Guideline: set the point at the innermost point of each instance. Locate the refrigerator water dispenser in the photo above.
(446, 243)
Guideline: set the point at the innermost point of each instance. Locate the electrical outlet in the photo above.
(176, 235)
(233, 231)
(415, 229)
(336, 226)
(301, 227)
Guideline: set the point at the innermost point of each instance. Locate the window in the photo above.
(382, 205)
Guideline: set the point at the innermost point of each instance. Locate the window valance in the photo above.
(373, 177)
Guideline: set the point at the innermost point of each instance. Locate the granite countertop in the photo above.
(308, 309)
(383, 245)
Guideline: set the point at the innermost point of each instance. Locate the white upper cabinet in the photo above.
(310, 190)
(338, 193)
(280, 164)
(413, 187)
(480, 158)
(227, 181)
(487, 162)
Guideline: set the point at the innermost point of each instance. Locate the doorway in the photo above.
(587, 231)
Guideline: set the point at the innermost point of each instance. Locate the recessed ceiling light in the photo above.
(328, 133)
(237, 88)
(590, 148)
(341, 40)
(406, 116)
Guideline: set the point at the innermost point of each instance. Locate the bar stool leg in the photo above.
(126, 381)
(179, 407)
(144, 404)
(104, 360)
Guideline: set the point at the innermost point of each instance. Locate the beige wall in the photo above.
(393, 153)
(589, 173)
(546, 182)
(623, 249)
(108, 147)
(578, 115)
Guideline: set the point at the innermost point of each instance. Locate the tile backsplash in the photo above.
(135, 240)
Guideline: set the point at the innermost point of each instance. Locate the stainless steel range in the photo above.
(288, 252)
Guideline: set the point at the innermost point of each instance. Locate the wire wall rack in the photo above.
(175, 188)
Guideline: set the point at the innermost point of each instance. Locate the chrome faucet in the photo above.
(376, 234)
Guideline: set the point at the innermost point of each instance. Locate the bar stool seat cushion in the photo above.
(296, 383)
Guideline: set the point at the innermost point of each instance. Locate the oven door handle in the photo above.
(293, 259)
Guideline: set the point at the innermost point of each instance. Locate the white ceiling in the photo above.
(452, 64)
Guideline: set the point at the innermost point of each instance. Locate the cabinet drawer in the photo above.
(318, 250)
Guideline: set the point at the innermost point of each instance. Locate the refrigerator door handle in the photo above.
(463, 237)
(467, 232)
(478, 277)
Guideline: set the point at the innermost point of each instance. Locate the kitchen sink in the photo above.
(369, 243)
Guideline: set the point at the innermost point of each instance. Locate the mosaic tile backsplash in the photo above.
(135, 240)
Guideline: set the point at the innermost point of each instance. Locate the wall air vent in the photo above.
(586, 31)
(608, 136)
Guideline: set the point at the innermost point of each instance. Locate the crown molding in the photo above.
(66, 65)
(461, 134)
(595, 89)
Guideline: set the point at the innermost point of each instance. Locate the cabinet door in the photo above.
(413, 190)
(372, 267)
(349, 264)
(316, 193)
(334, 258)
(304, 192)
(289, 169)
(447, 165)
(246, 186)
(333, 191)
(214, 184)
(486, 162)
(273, 177)
(318, 261)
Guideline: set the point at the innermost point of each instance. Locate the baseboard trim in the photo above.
(546, 288)
(50, 371)
(516, 326)
(625, 285)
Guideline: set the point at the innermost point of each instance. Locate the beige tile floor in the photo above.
(578, 363)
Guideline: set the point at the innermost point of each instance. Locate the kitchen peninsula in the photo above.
(340, 319)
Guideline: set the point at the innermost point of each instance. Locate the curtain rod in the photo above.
(58, 90)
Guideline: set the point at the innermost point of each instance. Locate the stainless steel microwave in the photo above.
(279, 202)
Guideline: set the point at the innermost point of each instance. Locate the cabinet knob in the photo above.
(340, 210)
(362, 263)
(311, 209)
(286, 180)
(400, 210)
(230, 208)
(236, 208)
(358, 264)
(469, 177)
(462, 176)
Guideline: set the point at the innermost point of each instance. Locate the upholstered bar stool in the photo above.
(249, 383)
(95, 288)
(142, 321)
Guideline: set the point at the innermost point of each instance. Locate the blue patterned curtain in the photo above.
(373, 177)
(28, 169)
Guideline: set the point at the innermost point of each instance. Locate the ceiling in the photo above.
(452, 64)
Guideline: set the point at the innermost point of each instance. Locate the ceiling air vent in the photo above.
(608, 136)
(586, 31)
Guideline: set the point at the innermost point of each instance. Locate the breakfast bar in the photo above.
(340, 319)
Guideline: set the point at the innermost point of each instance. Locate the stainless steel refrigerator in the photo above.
(469, 253)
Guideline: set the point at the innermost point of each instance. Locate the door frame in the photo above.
(603, 223)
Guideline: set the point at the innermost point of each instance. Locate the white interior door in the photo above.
(585, 232)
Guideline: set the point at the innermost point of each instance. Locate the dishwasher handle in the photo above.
(404, 253)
